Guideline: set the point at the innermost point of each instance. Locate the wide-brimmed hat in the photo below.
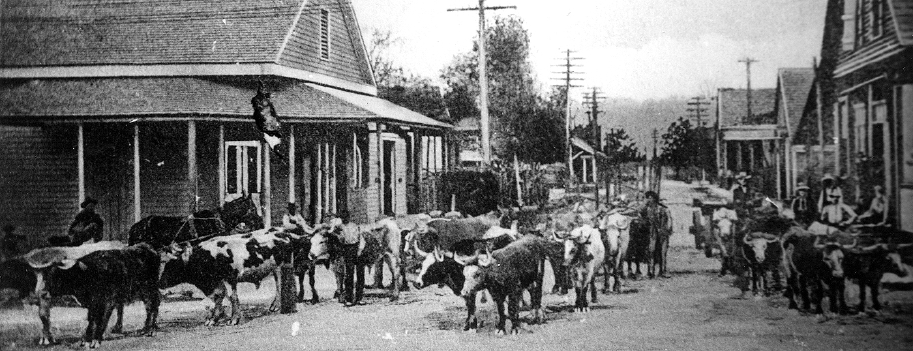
(743, 175)
(827, 176)
(802, 186)
(88, 201)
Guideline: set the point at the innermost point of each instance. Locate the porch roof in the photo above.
(191, 98)
(753, 132)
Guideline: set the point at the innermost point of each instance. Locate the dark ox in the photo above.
(505, 274)
(101, 279)
(762, 253)
(217, 265)
(381, 243)
(868, 264)
(810, 262)
(17, 275)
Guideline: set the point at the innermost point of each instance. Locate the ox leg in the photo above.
(217, 295)
(792, 290)
(874, 286)
(819, 297)
(299, 278)
(359, 283)
(44, 313)
(274, 306)
(837, 296)
(151, 301)
(393, 263)
(605, 278)
(93, 312)
(513, 310)
(803, 292)
(235, 303)
(663, 250)
(378, 269)
(502, 320)
(593, 290)
(535, 296)
(651, 253)
(314, 298)
(118, 327)
(102, 324)
(472, 323)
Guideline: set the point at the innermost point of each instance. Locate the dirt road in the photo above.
(693, 310)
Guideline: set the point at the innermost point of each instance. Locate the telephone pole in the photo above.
(568, 66)
(483, 78)
(655, 139)
(696, 106)
(748, 61)
(592, 99)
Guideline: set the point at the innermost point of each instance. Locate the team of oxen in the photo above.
(488, 253)
(817, 260)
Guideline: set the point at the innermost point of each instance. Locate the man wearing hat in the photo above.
(87, 225)
(293, 222)
(741, 193)
(831, 194)
(802, 205)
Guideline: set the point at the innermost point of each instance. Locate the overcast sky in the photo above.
(641, 49)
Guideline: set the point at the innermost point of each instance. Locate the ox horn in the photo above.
(850, 246)
(817, 244)
(903, 246)
(418, 250)
(872, 247)
(773, 240)
(468, 260)
(486, 260)
(746, 240)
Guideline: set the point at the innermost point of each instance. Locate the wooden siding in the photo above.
(109, 175)
(347, 58)
(38, 185)
(208, 165)
(163, 169)
(867, 52)
(400, 172)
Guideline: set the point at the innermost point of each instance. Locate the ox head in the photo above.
(476, 274)
(172, 259)
(758, 245)
(440, 268)
(575, 245)
(887, 256)
(832, 255)
(322, 243)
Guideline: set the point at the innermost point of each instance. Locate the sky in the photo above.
(632, 49)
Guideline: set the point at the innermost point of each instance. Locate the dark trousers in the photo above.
(353, 274)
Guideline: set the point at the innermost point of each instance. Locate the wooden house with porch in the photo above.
(794, 86)
(146, 107)
(866, 106)
(748, 142)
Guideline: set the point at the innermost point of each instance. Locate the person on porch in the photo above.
(742, 194)
(838, 215)
(87, 226)
(802, 205)
(877, 214)
(831, 193)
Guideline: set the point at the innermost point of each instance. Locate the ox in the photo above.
(379, 243)
(17, 275)
(868, 264)
(217, 265)
(584, 253)
(100, 276)
(616, 227)
(808, 261)
(505, 273)
(724, 220)
(761, 257)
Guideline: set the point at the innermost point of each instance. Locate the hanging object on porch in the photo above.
(266, 117)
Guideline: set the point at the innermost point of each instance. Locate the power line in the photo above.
(483, 78)
(696, 108)
(748, 61)
(568, 66)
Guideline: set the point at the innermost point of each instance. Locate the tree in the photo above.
(619, 148)
(688, 146)
(523, 122)
(399, 87)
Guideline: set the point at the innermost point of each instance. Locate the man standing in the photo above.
(293, 221)
(802, 205)
(349, 235)
(87, 225)
(660, 223)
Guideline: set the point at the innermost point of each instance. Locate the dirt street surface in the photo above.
(693, 310)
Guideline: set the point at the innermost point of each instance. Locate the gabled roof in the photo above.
(144, 33)
(586, 147)
(793, 87)
(93, 32)
(733, 104)
(902, 11)
(196, 97)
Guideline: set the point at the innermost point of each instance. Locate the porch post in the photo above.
(222, 178)
(136, 175)
(291, 164)
(267, 190)
(81, 162)
(380, 170)
(738, 159)
(192, 164)
(777, 161)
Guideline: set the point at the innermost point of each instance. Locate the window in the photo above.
(359, 162)
(324, 34)
(861, 142)
(242, 168)
(432, 154)
(877, 18)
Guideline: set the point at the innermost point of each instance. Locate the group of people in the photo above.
(87, 226)
(832, 210)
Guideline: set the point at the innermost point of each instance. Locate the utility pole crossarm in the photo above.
(748, 61)
(483, 79)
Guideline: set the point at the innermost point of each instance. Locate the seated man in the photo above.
(838, 215)
(294, 222)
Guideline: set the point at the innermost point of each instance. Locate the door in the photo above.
(243, 166)
(389, 184)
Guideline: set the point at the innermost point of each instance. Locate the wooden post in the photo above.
(137, 214)
(517, 181)
(332, 189)
(291, 164)
(320, 186)
(222, 161)
(192, 165)
(820, 112)
(267, 187)
(81, 162)
(738, 159)
(380, 170)
(777, 161)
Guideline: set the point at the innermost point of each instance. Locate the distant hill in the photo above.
(639, 118)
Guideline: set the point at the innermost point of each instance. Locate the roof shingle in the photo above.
(94, 32)
(733, 104)
(794, 87)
